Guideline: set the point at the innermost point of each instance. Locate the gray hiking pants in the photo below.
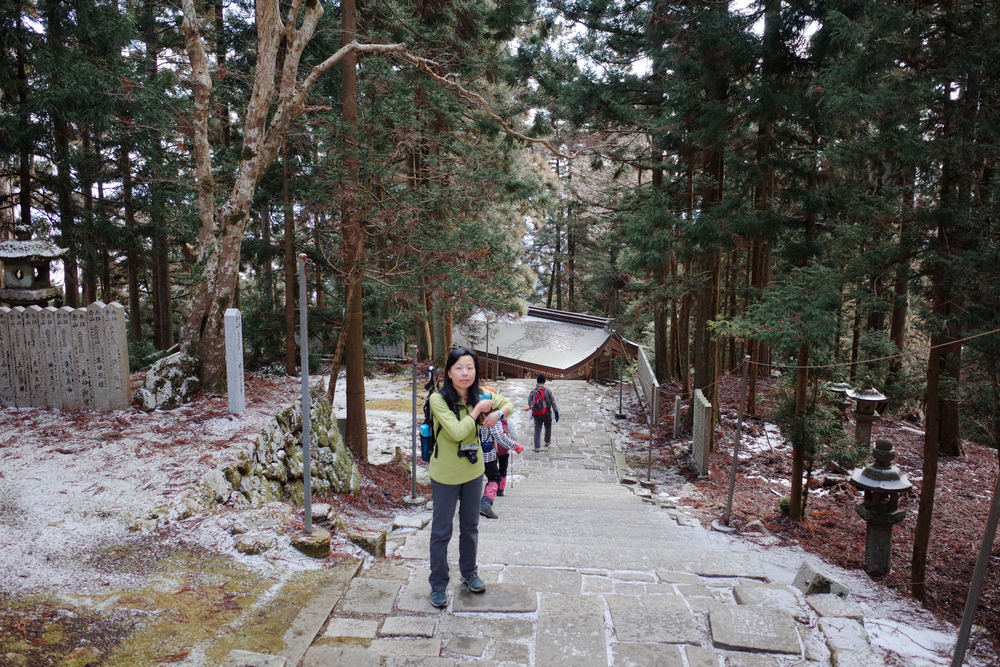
(446, 497)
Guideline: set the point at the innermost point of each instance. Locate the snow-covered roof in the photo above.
(35, 249)
(534, 340)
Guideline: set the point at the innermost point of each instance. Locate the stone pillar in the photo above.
(701, 437)
(72, 400)
(6, 361)
(98, 355)
(36, 364)
(234, 361)
(81, 358)
(19, 357)
(50, 357)
(116, 343)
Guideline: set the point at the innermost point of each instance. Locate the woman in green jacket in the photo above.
(460, 409)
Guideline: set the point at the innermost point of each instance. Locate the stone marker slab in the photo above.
(465, 645)
(98, 355)
(408, 626)
(844, 634)
(770, 595)
(545, 579)
(631, 654)
(239, 658)
(355, 656)
(6, 363)
(72, 400)
(370, 596)
(50, 357)
(351, 628)
(234, 361)
(36, 362)
(116, 340)
(497, 598)
(21, 368)
(570, 631)
(835, 606)
(744, 628)
(659, 618)
(82, 358)
(694, 591)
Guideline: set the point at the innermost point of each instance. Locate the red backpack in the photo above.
(538, 404)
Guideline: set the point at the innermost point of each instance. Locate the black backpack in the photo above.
(538, 404)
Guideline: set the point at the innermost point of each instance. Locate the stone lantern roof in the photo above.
(38, 250)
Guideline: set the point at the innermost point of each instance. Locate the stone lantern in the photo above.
(840, 389)
(864, 412)
(26, 273)
(882, 484)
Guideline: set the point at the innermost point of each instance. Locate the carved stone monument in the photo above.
(234, 361)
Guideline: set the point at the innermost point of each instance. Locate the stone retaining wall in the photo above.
(269, 467)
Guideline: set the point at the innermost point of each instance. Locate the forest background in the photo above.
(810, 183)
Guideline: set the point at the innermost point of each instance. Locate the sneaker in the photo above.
(474, 583)
(547, 445)
(439, 598)
(499, 492)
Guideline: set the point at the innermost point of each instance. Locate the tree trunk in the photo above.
(795, 509)
(353, 244)
(277, 98)
(290, 272)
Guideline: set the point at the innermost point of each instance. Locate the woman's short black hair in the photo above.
(448, 390)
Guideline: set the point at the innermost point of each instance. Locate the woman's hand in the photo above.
(482, 407)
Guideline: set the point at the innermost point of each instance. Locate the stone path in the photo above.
(582, 570)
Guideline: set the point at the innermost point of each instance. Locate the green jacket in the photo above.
(446, 466)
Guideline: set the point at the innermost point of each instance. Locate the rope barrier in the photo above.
(868, 361)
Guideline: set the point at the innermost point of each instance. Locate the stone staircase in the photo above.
(582, 570)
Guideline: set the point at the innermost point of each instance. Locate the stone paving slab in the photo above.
(408, 626)
(745, 628)
(465, 645)
(239, 658)
(545, 580)
(409, 647)
(351, 628)
(497, 598)
(701, 657)
(750, 660)
(843, 633)
(370, 596)
(835, 606)
(660, 618)
(770, 595)
(570, 631)
(630, 654)
(511, 652)
(342, 654)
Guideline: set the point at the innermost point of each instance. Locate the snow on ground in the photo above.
(74, 483)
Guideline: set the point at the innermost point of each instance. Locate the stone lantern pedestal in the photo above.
(882, 484)
(840, 389)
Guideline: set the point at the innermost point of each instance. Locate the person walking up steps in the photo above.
(456, 469)
(496, 445)
(542, 404)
